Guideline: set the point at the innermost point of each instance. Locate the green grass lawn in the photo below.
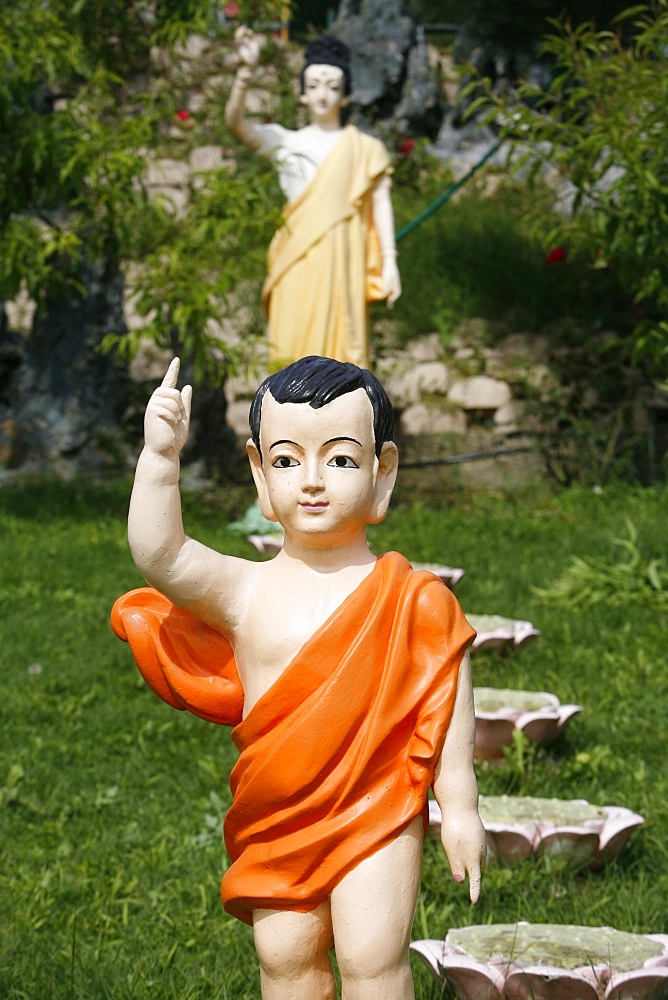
(111, 801)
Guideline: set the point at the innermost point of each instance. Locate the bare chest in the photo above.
(278, 624)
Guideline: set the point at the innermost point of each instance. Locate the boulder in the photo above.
(420, 419)
(167, 173)
(393, 81)
(480, 393)
(428, 348)
(204, 158)
(237, 418)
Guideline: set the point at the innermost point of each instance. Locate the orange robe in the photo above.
(324, 261)
(337, 758)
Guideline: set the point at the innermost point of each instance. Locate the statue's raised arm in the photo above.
(190, 574)
(248, 53)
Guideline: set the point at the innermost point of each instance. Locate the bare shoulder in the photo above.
(215, 586)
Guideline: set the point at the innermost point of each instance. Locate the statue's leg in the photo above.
(293, 949)
(372, 916)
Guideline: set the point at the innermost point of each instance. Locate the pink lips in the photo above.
(314, 508)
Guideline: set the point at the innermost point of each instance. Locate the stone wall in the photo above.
(462, 399)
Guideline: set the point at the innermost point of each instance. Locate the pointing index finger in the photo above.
(474, 888)
(172, 374)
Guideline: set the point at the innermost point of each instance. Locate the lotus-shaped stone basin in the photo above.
(450, 575)
(549, 962)
(571, 830)
(495, 632)
(498, 711)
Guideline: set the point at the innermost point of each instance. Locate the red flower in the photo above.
(556, 256)
(231, 9)
(407, 147)
(183, 115)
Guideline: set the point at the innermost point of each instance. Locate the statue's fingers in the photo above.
(167, 409)
(474, 887)
(187, 397)
(172, 374)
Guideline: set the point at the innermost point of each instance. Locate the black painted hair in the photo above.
(328, 50)
(318, 381)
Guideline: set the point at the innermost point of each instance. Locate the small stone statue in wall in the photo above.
(346, 677)
(335, 251)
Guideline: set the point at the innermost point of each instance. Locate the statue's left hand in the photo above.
(391, 280)
(465, 843)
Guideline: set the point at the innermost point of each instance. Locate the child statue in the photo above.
(346, 678)
(335, 251)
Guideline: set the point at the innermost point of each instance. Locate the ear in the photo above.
(259, 480)
(386, 477)
(345, 101)
(303, 99)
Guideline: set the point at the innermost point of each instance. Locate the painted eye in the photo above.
(283, 462)
(343, 462)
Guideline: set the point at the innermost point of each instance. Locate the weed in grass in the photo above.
(633, 579)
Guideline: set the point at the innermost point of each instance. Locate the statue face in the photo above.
(323, 95)
(319, 475)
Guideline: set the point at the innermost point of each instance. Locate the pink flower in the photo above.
(407, 147)
(183, 115)
(556, 256)
(231, 9)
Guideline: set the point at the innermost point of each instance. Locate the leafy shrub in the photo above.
(72, 197)
(601, 125)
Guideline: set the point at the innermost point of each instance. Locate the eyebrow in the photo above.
(283, 441)
(343, 438)
(330, 441)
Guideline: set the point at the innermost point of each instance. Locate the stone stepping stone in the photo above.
(525, 961)
(497, 632)
(499, 711)
(570, 830)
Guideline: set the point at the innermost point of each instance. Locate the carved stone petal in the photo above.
(543, 726)
(491, 734)
(511, 843)
(566, 712)
(660, 960)
(574, 844)
(491, 640)
(544, 982)
(524, 633)
(641, 984)
(473, 980)
(616, 830)
(431, 953)
(469, 977)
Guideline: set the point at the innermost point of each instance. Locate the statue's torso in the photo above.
(297, 153)
(283, 613)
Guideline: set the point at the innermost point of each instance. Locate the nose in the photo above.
(312, 478)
